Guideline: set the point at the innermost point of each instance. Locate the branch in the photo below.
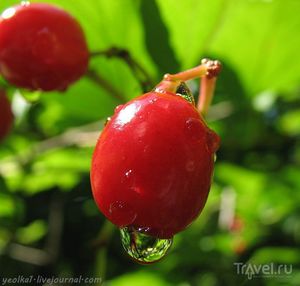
(138, 71)
(102, 82)
(28, 254)
(49, 254)
(83, 136)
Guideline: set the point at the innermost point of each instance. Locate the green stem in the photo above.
(102, 82)
(138, 71)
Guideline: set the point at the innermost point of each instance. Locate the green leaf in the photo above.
(31, 96)
(7, 205)
(191, 24)
(257, 38)
(57, 168)
(32, 232)
(157, 38)
(138, 279)
(276, 254)
(289, 123)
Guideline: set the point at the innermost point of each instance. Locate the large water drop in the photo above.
(212, 141)
(142, 247)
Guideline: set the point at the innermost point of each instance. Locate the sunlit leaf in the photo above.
(32, 232)
(137, 279)
(258, 38)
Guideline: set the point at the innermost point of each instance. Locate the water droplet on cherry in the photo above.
(128, 174)
(118, 108)
(190, 166)
(212, 141)
(25, 3)
(153, 100)
(142, 247)
(122, 212)
(107, 120)
(215, 157)
(45, 46)
(194, 128)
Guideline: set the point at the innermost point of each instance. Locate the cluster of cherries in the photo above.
(152, 166)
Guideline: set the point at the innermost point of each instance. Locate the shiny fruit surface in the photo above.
(6, 115)
(41, 47)
(153, 163)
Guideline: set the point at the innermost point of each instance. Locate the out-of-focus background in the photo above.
(49, 224)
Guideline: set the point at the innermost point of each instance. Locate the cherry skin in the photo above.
(41, 47)
(152, 165)
(6, 115)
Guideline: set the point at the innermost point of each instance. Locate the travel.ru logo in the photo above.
(267, 270)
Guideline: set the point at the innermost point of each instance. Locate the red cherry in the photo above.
(6, 115)
(152, 166)
(41, 47)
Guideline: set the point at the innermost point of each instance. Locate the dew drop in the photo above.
(45, 46)
(129, 177)
(190, 166)
(212, 141)
(107, 120)
(128, 174)
(194, 128)
(153, 100)
(118, 108)
(122, 213)
(142, 247)
(25, 3)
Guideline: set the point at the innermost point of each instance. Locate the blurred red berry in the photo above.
(6, 115)
(41, 47)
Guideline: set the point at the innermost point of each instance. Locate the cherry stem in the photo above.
(102, 82)
(206, 93)
(139, 72)
(207, 71)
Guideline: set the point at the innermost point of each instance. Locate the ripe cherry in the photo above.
(153, 163)
(6, 115)
(41, 47)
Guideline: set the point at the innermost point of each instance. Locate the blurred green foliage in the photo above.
(49, 224)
